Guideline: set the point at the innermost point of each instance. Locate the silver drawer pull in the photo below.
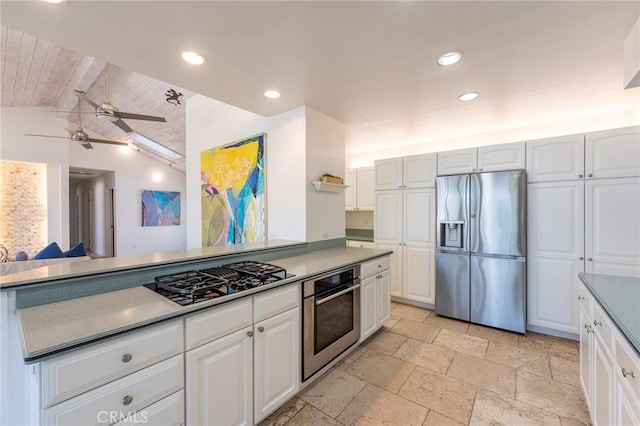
(586, 325)
(126, 358)
(260, 329)
(127, 400)
(596, 323)
(626, 373)
(250, 333)
(379, 265)
(589, 329)
(580, 297)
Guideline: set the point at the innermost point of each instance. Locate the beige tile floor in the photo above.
(422, 369)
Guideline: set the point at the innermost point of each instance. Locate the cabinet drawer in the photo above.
(69, 375)
(627, 359)
(275, 301)
(121, 398)
(166, 412)
(217, 322)
(374, 266)
(602, 325)
(584, 298)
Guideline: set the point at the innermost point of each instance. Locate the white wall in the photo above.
(132, 175)
(325, 154)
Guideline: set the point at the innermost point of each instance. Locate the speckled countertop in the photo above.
(57, 327)
(620, 298)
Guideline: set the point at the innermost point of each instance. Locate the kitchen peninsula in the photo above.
(78, 339)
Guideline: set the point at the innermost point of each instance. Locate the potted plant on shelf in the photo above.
(329, 178)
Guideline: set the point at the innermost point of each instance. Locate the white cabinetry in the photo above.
(359, 195)
(249, 371)
(491, 158)
(613, 153)
(559, 158)
(608, 367)
(361, 244)
(416, 171)
(108, 382)
(375, 303)
(405, 223)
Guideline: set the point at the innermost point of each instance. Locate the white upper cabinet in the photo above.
(359, 195)
(388, 174)
(419, 171)
(613, 153)
(508, 156)
(416, 171)
(560, 158)
(458, 162)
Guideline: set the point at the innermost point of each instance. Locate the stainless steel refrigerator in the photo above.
(481, 254)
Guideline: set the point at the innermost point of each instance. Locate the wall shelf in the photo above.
(329, 187)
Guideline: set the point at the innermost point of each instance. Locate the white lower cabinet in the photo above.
(247, 374)
(375, 296)
(609, 368)
(166, 412)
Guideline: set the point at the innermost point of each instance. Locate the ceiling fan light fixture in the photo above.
(272, 94)
(469, 96)
(192, 57)
(153, 146)
(449, 58)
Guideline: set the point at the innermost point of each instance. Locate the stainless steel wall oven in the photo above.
(331, 318)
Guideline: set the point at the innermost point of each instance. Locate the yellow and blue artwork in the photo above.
(233, 192)
(160, 208)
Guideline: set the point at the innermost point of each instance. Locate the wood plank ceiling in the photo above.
(36, 72)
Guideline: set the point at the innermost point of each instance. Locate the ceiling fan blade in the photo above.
(83, 96)
(47, 136)
(132, 116)
(87, 145)
(106, 141)
(124, 126)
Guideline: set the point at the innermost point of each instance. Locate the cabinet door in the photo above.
(612, 226)
(602, 387)
(219, 381)
(458, 161)
(384, 299)
(396, 268)
(419, 217)
(613, 153)
(366, 197)
(388, 218)
(560, 158)
(276, 361)
(551, 292)
(418, 274)
(368, 307)
(350, 179)
(420, 171)
(508, 156)
(586, 346)
(627, 407)
(555, 220)
(388, 174)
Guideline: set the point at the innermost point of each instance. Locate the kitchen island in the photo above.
(54, 314)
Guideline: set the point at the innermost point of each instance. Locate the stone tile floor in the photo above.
(422, 369)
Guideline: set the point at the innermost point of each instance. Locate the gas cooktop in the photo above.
(189, 287)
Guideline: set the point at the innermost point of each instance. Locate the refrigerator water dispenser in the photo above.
(451, 234)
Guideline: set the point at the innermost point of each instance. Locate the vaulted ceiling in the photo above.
(370, 65)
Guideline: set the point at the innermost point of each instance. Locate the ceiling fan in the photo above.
(107, 112)
(80, 136)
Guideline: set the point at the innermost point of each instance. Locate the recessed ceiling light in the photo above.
(449, 58)
(272, 94)
(192, 57)
(465, 97)
(54, 1)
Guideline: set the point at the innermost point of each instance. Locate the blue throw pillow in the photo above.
(21, 256)
(76, 251)
(52, 251)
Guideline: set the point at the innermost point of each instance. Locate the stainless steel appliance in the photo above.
(481, 253)
(189, 287)
(331, 318)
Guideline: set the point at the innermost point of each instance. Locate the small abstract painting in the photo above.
(160, 208)
(233, 192)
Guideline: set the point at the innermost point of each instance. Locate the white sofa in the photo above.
(25, 265)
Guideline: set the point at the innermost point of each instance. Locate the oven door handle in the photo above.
(338, 294)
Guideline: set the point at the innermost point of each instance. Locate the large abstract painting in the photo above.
(233, 192)
(160, 208)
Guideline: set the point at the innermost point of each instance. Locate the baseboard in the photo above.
(552, 332)
(413, 303)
